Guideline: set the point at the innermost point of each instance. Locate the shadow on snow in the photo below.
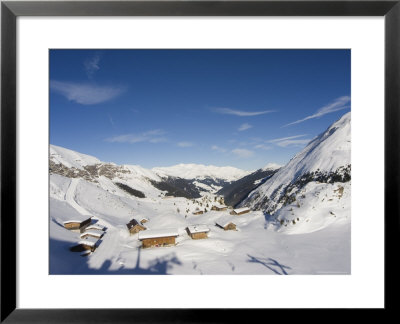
(62, 261)
(270, 263)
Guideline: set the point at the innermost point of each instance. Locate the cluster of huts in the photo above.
(89, 237)
(167, 237)
(90, 234)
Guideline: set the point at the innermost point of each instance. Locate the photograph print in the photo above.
(199, 161)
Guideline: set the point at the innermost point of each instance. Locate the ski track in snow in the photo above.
(70, 197)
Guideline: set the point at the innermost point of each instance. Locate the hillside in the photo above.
(308, 197)
(236, 191)
(313, 189)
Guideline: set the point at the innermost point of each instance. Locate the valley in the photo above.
(299, 220)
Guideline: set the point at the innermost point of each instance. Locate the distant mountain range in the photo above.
(288, 194)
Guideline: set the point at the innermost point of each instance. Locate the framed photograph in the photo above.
(179, 154)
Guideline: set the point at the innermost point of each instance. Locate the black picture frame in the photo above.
(10, 10)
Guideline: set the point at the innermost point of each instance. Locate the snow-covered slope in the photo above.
(200, 171)
(71, 158)
(311, 192)
(236, 191)
(323, 166)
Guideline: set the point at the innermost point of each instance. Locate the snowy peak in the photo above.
(271, 167)
(200, 171)
(324, 162)
(69, 158)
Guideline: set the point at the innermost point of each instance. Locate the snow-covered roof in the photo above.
(224, 220)
(198, 228)
(95, 227)
(220, 206)
(76, 220)
(90, 241)
(157, 233)
(94, 233)
(240, 210)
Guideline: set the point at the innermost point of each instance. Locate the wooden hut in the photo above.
(78, 224)
(240, 211)
(134, 226)
(95, 227)
(219, 207)
(226, 224)
(158, 238)
(221, 200)
(92, 233)
(197, 232)
(88, 243)
(198, 212)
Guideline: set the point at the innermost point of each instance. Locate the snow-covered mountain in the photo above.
(311, 192)
(206, 178)
(201, 172)
(182, 180)
(236, 191)
(313, 189)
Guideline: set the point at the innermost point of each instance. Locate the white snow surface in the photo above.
(198, 228)
(271, 166)
(318, 242)
(256, 248)
(165, 232)
(200, 171)
(240, 210)
(93, 233)
(326, 153)
(95, 227)
(225, 220)
(71, 158)
(90, 241)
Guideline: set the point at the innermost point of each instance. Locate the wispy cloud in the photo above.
(218, 149)
(276, 140)
(111, 121)
(299, 142)
(241, 113)
(263, 147)
(92, 65)
(85, 94)
(243, 153)
(185, 144)
(244, 127)
(338, 104)
(290, 141)
(152, 136)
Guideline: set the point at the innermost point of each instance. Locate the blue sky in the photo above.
(243, 108)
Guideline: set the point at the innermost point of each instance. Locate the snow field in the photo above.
(250, 250)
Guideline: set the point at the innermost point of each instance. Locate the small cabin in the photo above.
(158, 238)
(198, 212)
(197, 232)
(134, 226)
(88, 243)
(240, 211)
(226, 224)
(77, 225)
(219, 207)
(144, 220)
(91, 233)
(95, 227)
